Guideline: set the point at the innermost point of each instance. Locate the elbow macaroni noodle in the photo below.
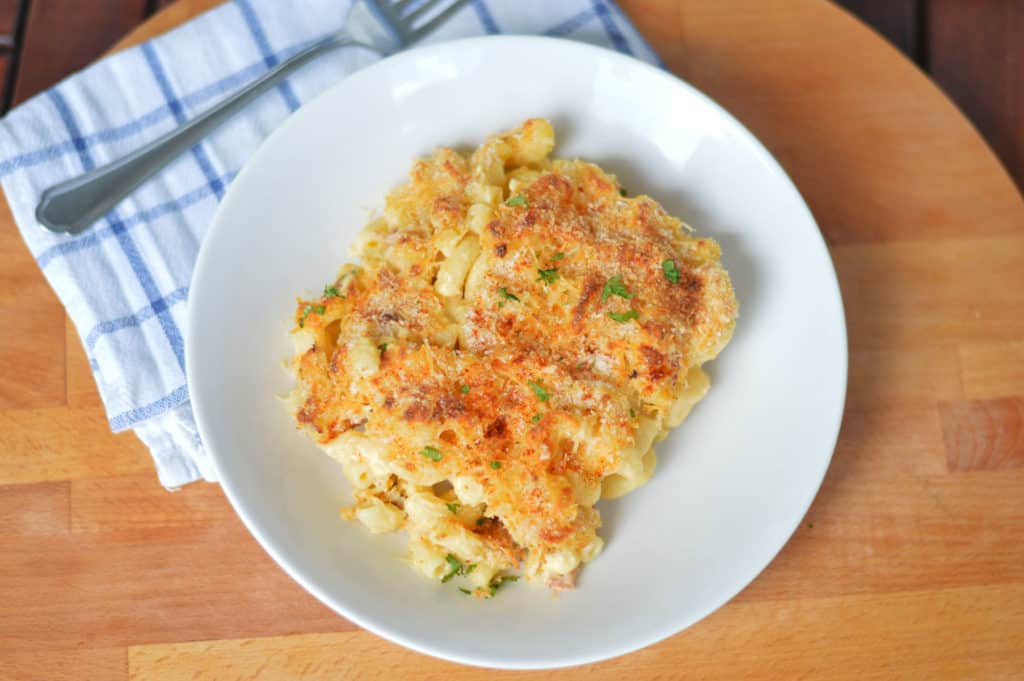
(517, 338)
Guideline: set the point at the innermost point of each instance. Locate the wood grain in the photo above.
(80, 386)
(109, 664)
(890, 536)
(983, 74)
(973, 50)
(8, 13)
(992, 368)
(909, 564)
(95, 26)
(899, 21)
(65, 444)
(983, 435)
(31, 352)
(887, 442)
(913, 635)
(857, 193)
(113, 586)
(910, 295)
(36, 509)
(135, 502)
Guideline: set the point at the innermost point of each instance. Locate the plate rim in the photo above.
(511, 42)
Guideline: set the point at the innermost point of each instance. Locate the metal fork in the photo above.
(385, 26)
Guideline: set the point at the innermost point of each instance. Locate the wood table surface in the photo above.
(909, 565)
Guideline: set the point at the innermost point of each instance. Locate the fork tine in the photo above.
(443, 16)
(423, 9)
(399, 5)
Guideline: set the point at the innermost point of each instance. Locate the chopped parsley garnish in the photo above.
(498, 582)
(495, 465)
(517, 200)
(456, 567)
(615, 287)
(622, 191)
(548, 276)
(538, 390)
(382, 347)
(623, 317)
(465, 591)
(480, 521)
(558, 256)
(319, 309)
(464, 390)
(431, 453)
(505, 294)
(453, 507)
(668, 268)
(632, 413)
(331, 291)
(537, 417)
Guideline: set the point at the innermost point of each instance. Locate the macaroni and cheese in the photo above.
(516, 338)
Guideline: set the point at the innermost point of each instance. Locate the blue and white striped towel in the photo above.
(125, 282)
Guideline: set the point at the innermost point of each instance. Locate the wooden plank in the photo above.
(844, 639)
(6, 60)
(890, 378)
(136, 502)
(886, 536)
(38, 509)
(920, 294)
(8, 15)
(976, 53)
(109, 664)
(898, 21)
(81, 385)
(992, 369)
(45, 60)
(66, 444)
(11, 22)
(890, 442)
(210, 580)
(984, 434)
(32, 321)
(108, 587)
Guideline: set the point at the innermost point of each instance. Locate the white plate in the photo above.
(732, 483)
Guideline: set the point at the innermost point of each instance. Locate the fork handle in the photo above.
(74, 205)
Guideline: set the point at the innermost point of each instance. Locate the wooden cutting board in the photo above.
(909, 565)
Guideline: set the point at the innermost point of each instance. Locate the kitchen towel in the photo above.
(125, 282)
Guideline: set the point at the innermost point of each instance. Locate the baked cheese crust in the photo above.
(517, 336)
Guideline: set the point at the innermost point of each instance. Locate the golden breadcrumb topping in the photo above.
(517, 336)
